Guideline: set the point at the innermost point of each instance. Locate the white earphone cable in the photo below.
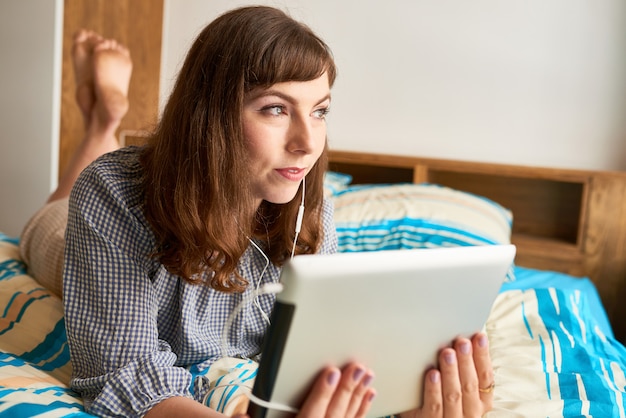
(258, 283)
(270, 288)
(253, 398)
(299, 219)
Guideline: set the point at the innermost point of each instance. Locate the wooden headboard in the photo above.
(572, 221)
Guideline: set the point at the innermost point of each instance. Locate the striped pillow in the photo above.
(386, 217)
(31, 320)
(35, 363)
(335, 182)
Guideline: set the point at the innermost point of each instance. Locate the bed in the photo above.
(556, 329)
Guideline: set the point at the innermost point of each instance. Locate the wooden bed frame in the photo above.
(571, 221)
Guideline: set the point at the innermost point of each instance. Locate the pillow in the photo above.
(335, 182)
(26, 391)
(400, 216)
(403, 216)
(31, 318)
(10, 240)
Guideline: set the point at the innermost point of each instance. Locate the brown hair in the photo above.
(197, 196)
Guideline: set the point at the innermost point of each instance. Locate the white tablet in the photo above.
(390, 310)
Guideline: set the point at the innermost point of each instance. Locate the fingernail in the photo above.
(333, 378)
(482, 341)
(368, 380)
(358, 373)
(465, 347)
(372, 396)
(450, 357)
(434, 376)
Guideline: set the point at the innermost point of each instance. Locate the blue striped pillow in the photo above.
(31, 318)
(387, 217)
(335, 182)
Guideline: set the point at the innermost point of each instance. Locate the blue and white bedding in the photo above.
(552, 347)
(553, 350)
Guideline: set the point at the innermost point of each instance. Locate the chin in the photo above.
(279, 201)
(281, 198)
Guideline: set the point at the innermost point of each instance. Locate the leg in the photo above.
(82, 49)
(103, 68)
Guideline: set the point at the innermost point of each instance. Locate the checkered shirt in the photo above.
(138, 334)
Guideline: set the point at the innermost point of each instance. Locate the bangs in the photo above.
(297, 55)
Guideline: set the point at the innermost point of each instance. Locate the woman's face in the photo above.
(285, 131)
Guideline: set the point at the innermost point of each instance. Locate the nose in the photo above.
(303, 135)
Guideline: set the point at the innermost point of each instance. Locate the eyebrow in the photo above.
(286, 97)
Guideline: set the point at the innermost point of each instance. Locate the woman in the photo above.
(164, 243)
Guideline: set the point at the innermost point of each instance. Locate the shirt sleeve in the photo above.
(121, 368)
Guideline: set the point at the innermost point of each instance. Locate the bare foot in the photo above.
(103, 68)
(82, 49)
(112, 68)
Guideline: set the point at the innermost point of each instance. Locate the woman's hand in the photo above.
(462, 387)
(338, 393)
(463, 384)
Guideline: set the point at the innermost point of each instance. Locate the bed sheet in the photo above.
(552, 348)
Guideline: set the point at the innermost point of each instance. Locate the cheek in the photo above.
(252, 137)
(320, 141)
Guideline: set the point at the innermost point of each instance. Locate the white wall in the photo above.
(530, 82)
(30, 100)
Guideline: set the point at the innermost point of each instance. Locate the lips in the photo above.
(291, 173)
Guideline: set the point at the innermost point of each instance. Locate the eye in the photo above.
(274, 110)
(321, 113)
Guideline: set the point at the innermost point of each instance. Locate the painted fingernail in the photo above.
(372, 396)
(333, 378)
(434, 376)
(482, 341)
(358, 373)
(368, 380)
(450, 357)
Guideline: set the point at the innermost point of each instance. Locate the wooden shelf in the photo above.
(549, 209)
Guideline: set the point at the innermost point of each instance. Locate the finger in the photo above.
(472, 405)
(484, 369)
(343, 398)
(450, 384)
(366, 403)
(362, 397)
(321, 394)
(432, 404)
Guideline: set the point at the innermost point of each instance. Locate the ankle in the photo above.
(101, 129)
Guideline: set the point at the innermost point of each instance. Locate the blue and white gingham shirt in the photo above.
(138, 334)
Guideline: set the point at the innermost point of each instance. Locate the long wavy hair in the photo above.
(197, 194)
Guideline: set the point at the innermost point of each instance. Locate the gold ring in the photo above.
(488, 389)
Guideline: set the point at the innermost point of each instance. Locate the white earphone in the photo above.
(299, 218)
(269, 288)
